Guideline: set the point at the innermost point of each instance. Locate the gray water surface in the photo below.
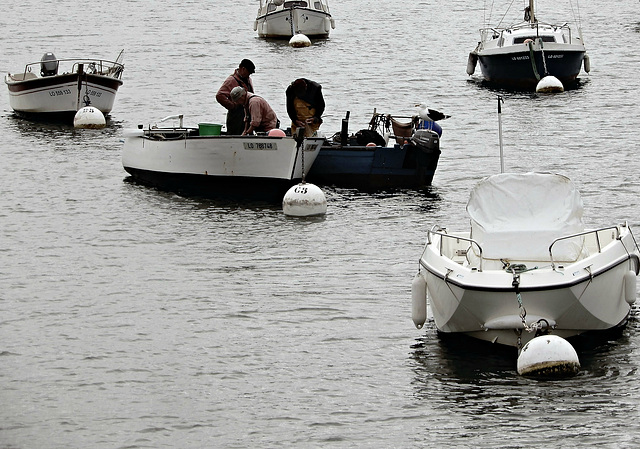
(134, 318)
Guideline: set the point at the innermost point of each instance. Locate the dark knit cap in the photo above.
(247, 64)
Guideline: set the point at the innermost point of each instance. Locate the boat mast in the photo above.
(532, 15)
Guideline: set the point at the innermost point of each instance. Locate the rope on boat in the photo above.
(291, 21)
(533, 61)
(299, 138)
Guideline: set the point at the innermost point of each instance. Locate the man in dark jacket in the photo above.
(240, 77)
(305, 105)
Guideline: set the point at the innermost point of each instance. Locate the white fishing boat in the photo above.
(283, 19)
(191, 161)
(520, 55)
(60, 87)
(527, 266)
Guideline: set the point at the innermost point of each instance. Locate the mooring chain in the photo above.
(544, 61)
(533, 327)
(85, 99)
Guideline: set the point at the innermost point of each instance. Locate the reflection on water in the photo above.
(476, 385)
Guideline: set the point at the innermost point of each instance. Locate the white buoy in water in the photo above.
(299, 40)
(548, 356)
(630, 287)
(89, 117)
(549, 84)
(304, 200)
(419, 300)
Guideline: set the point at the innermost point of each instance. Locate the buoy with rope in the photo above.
(548, 83)
(299, 41)
(303, 199)
(88, 117)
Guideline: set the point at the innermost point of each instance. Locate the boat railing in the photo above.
(91, 66)
(580, 234)
(495, 31)
(442, 232)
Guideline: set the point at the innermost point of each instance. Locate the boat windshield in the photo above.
(521, 39)
(299, 3)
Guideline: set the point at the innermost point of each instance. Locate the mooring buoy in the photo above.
(89, 117)
(299, 40)
(304, 200)
(549, 84)
(548, 356)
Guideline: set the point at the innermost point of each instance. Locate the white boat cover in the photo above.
(517, 217)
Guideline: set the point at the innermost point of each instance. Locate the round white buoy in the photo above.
(299, 40)
(630, 286)
(549, 84)
(419, 300)
(89, 117)
(304, 200)
(548, 356)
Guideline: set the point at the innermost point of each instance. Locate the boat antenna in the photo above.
(500, 101)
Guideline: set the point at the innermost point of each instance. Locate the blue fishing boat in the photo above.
(390, 154)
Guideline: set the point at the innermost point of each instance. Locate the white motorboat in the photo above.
(520, 55)
(283, 19)
(58, 88)
(187, 161)
(527, 266)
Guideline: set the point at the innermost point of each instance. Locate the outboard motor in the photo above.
(426, 140)
(49, 65)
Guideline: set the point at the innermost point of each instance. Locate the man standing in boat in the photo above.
(241, 77)
(260, 117)
(305, 105)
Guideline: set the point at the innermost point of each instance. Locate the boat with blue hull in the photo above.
(520, 55)
(366, 161)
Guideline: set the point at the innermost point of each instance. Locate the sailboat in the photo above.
(519, 55)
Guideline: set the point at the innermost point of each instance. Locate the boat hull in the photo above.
(568, 300)
(239, 167)
(514, 69)
(62, 94)
(285, 23)
(375, 168)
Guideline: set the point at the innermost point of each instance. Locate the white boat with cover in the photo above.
(520, 55)
(183, 160)
(527, 266)
(283, 19)
(58, 88)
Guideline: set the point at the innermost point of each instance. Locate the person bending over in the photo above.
(305, 106)
(259, 115)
